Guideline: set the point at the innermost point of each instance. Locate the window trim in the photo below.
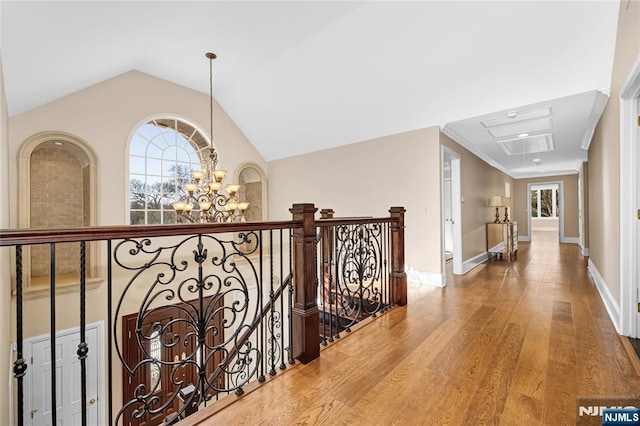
(529, 186)
(554, 203)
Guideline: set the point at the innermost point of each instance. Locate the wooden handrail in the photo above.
(354, 221)
(12, 237)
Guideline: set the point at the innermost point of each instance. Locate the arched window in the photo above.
(162, 154)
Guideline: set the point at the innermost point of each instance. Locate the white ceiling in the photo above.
(303, 76)
(543, 139)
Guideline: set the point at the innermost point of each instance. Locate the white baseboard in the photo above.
(524, 238)
(605, 294)
(544, 228)
(584, 251)
(469, 264)
(570, 240)
(425, 278)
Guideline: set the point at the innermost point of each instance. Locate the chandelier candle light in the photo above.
(205, 202)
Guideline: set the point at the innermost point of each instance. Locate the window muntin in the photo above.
(162, 154)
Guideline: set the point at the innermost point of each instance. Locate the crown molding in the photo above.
(546, 174)
(599, 102)
(478, 153)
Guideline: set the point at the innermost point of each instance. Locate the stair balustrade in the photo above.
(198, 312)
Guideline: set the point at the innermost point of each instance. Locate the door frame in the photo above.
(99, 351)
(561, 237)
(629, 224)
(456, 210)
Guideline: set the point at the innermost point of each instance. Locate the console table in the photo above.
(502, 239)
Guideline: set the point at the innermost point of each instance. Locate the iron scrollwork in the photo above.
(199, 298)
(357, 281)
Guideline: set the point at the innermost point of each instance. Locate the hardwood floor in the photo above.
(509, 343)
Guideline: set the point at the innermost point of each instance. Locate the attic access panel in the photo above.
(528, 145)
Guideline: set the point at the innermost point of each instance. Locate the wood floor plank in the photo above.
(488, 401)
(521, 410)
(530, 375)
(508, 343)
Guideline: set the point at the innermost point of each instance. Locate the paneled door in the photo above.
(38, 406)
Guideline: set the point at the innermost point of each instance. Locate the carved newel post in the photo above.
(306, 317)
(398, 275)
(326, 244)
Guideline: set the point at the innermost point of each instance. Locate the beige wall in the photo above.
(365, 179)
(5, 280)
(106, 114)
(604, 157)
(570, 216)
(479, 182)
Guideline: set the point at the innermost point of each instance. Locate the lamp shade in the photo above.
(496, 201)
(508, 202)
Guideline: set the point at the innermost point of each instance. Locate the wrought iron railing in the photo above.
(354, 272)
(196, 312)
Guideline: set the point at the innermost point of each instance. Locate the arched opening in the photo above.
(253, 189)
(57, 190)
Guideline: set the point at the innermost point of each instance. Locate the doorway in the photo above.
(545, 204)
(451, 211)
(544, 210)
(629, 321)
(162, 356)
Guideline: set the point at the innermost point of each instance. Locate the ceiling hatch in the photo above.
(528, 145)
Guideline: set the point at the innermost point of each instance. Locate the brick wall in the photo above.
(57, 201)
(252, 193)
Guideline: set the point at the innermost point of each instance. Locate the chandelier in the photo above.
(205, 202)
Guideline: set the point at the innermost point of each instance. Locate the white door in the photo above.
(68, 384)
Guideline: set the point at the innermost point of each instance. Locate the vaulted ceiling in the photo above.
(303, 76)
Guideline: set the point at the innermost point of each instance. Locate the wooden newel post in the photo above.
(398, 275)
(326, 214)
(326, 244)
(306, 317)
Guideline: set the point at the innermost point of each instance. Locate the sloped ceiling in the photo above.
(303, 76)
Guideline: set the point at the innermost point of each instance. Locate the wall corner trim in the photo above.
(607, 298)
(425, 278)
(469, 264)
